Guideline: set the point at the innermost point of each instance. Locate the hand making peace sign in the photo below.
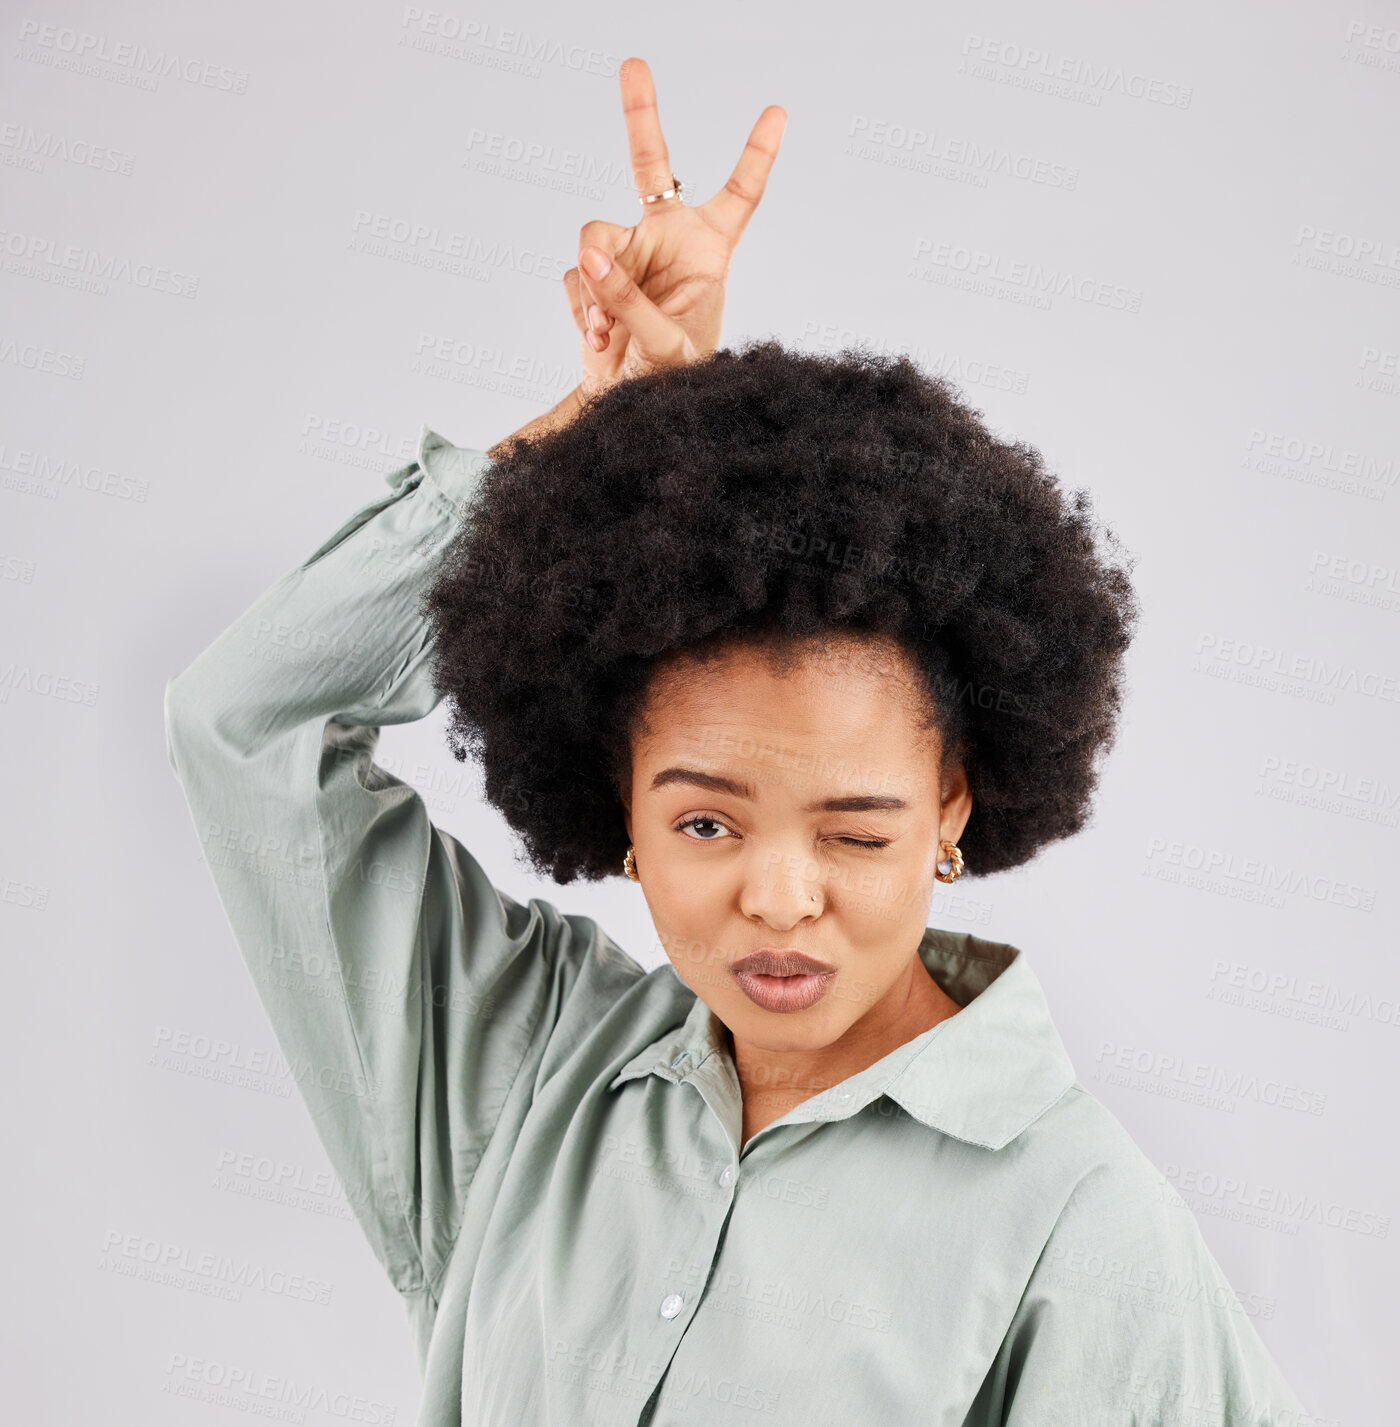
(653, 295)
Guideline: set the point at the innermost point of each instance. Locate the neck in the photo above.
(773, 1082)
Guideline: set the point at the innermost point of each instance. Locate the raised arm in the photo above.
(409, 996)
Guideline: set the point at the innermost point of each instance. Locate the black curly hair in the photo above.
(777, 496)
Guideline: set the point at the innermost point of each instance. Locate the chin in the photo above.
(807, 1030)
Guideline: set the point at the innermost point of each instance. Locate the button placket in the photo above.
(675, 1304)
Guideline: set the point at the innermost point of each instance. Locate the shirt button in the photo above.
(671, 1305)
(726, 1176)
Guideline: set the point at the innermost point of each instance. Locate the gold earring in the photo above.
(629, 863)
(953, 855)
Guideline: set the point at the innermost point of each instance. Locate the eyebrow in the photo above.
(715, 783)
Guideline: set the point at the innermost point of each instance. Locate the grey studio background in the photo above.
(246, 253)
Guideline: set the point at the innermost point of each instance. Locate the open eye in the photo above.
(703, 820)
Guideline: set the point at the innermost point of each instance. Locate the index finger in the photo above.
(651, 164)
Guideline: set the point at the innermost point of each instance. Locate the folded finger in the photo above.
(576, 304)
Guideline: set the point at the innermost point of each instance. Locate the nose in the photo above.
(782, 891)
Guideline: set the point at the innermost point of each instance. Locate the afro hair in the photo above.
(774, 494)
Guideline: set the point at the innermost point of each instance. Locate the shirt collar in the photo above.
(982, 1076)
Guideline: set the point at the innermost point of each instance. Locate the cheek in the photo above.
(689, 921)
(891, 891)
(702, 964)
(670, 882)
(923, 863)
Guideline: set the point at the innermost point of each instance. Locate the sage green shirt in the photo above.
(541, 1138)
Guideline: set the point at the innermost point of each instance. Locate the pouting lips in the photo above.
(784, 993)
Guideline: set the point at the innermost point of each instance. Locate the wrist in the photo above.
(560, 414)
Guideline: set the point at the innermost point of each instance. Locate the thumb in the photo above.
(658, 338)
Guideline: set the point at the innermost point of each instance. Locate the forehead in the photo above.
(839, 714)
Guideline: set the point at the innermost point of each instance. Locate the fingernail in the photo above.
(597, 263)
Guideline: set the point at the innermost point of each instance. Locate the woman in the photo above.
(786, 639)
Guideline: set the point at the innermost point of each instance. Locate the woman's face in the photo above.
(753, 796)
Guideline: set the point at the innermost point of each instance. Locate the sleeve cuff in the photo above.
(454, 472)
